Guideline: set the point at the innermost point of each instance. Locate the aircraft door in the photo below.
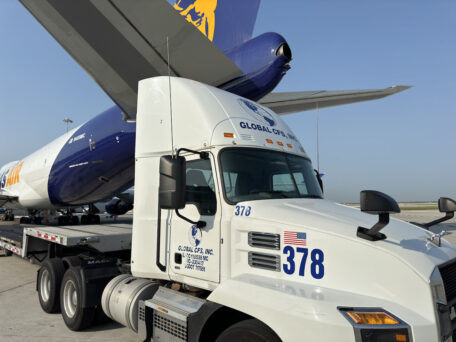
(195, 252)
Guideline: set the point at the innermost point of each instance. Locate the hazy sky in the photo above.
(401, 145)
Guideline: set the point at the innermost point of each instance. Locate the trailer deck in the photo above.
(11, 238)
(109, 235)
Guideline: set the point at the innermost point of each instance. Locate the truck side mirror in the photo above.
(172, 182)
(447, 206)
(376, 203)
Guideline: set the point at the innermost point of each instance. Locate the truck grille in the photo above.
(445, 312)
(265, 261)
(448, 273)
(264, 240)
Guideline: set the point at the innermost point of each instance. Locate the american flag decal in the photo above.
(294, 238)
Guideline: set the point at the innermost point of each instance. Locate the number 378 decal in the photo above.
(298, 257)
(242, 210)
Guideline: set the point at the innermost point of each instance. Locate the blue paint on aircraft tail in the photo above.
(227, 23)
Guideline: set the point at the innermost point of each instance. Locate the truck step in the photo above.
(171, 310)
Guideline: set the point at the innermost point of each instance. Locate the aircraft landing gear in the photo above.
(9, 216)
(67, 219)
(91, 217)
(33, 218)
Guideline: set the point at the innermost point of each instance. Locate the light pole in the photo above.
(67, 121)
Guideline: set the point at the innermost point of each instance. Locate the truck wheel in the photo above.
(250, 330)
(75, 316)
(48, 284)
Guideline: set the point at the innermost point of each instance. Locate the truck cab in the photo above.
(254, 231)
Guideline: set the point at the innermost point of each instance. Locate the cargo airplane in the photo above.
(122, 42)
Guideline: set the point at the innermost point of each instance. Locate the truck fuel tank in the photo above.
(121, 297)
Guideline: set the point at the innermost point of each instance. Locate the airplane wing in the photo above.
(6, 197)
(140, 28)
(293, 102)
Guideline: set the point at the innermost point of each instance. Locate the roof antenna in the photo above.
(170, 99)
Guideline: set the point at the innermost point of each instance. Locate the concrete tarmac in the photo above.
(21, 317)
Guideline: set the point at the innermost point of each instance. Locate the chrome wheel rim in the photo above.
(70, 298)
(45, 285)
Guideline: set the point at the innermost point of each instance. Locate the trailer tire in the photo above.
(250, 330)
(48, 284)
(75, 316)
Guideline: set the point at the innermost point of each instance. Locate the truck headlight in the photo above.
(376, 325)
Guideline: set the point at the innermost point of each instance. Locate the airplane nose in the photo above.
(285, 51)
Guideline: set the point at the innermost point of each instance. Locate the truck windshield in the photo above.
(251, 174)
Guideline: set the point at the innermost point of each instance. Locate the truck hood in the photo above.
(408, 243)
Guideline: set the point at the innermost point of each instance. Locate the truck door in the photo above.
(195, 252)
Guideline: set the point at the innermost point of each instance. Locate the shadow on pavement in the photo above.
(104, 327)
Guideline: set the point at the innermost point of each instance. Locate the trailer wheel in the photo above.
(250, 330)
(75, 316)
(48, 284)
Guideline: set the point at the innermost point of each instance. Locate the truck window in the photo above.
(200, 189)
(252, 174)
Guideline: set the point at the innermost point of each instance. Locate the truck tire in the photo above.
(250, 330)
(48, 284)
(74, 315)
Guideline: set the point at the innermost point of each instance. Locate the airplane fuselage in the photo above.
(90, 163)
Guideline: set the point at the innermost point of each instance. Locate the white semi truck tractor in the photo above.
(233, 240)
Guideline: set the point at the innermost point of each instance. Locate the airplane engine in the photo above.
(264, 60)
(117, 206)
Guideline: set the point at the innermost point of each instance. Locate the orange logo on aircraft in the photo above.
(202, 16)
(13, 176)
